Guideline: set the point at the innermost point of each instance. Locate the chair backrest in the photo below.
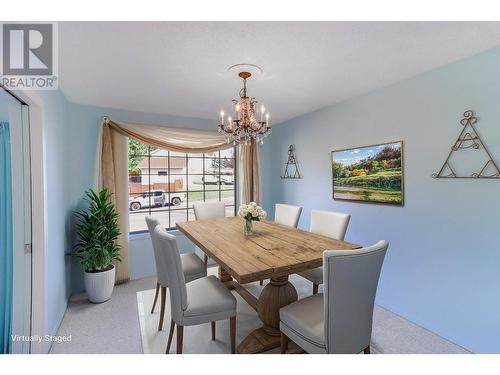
(350, 281)
(161, 272)
(329, 223)
(171, 259)
(209, 210)
(286, 214)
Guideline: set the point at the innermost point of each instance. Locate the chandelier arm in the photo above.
(254, 129)
(227, 130)
(260, 128)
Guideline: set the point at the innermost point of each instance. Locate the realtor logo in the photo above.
(29, 60)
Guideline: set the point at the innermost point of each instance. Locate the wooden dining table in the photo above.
(272, 252)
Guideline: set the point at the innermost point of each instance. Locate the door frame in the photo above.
(21, 222)
(39, 326)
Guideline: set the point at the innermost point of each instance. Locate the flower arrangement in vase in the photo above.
(251, 212)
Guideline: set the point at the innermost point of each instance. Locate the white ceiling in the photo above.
(179, 68)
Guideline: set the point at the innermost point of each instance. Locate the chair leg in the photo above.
(170, 335)
(162, 309)
(213, 330)
(156, 297)
(232, 328)
(180, 336)
(205, 259)
(367, 350)
(315, 288)
(284, 343)
(261, 282)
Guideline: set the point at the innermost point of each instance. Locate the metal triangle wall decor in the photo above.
(291, 168)
(469, 140)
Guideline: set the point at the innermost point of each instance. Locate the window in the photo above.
(133, 179)
(164, 184)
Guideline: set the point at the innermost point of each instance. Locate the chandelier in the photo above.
(245, 125)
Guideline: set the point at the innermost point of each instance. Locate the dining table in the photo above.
(273, 252)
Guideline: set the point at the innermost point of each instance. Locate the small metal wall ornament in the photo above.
(469, 139)
(291, 168)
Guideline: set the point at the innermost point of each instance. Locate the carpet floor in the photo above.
(124, 325)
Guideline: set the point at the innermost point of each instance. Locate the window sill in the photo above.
(138, 236)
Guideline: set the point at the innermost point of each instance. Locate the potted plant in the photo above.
(96, 247)
(251, 212)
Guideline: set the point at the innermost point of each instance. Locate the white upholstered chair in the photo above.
(340, 319)
(192, 267)
(329, 224)
(201, 301)
(286, 214)
(205, 211)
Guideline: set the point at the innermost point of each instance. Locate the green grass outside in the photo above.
(209, 194)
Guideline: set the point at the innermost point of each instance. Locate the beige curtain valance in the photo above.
(111, 170)
(173, 139)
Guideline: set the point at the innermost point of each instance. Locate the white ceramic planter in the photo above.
(99, 285)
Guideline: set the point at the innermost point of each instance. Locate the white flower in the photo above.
(253, 210)
(243, 210)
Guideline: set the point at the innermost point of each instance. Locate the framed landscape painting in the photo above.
(372, 174)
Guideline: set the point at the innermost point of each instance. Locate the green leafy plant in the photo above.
(97, 231)
(136, 151)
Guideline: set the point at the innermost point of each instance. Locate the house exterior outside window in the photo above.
(164, 184)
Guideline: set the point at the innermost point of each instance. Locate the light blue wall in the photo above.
(83, 124)
(442, 268)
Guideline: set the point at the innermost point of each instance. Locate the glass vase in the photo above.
(248, 227)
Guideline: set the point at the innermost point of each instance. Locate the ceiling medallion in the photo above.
(244, 126)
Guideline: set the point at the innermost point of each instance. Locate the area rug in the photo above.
(391, 333)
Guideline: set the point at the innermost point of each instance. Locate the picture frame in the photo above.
(369, 174)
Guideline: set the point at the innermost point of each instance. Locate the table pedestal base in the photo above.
(278, 293)
(257, 342)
